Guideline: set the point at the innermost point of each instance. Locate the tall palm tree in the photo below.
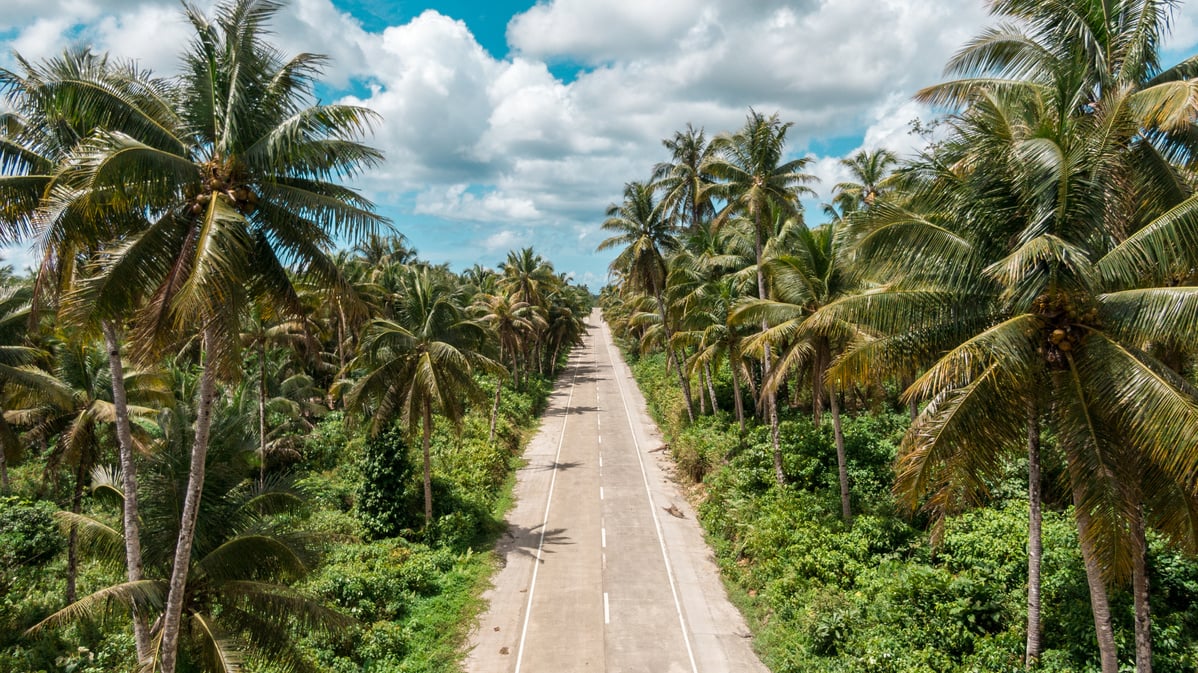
(1066, 313)
(240, 598)
(529, 278)
(755, 179)
(682, 180)
(80, 415)
(421, 362)
(238, 190)
(870, 173)
(512, 323)
(57, 104)
(646, 237)
(265, 335)
(1097, 66)
(811, 273)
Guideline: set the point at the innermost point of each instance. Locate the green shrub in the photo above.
(28, 532)
(391, 495)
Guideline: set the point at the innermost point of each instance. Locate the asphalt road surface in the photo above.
(605, 567)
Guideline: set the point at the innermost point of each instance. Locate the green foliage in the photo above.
(28, 532)
(879, 597)
(390, 496)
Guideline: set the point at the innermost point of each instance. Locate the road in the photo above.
(598, 574)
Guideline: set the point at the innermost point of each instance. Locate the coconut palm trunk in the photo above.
(495, 408)
(1035, 544)
(428, 468)
(1139, 584)
(710, 387)
(672, 357)
(262, 414)
(737, 400)
(771, 401)
(842, 468)
(1099, 601)
(131, 521)
(819, 369)
(73, 536)
(172, 616)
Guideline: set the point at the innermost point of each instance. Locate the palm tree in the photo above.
(264, 335)
(706, 279)
(236, 191)
(57, 104)
(20, 379)
(647, 237)
(527, 276)
(79, 413)
(1066, 313)
(810, 273)
(564, 327)
(239, 598)
(870, 171)
(683, 181)
(754, 180)
(1097, 68)
(422, 361)
(511, 323)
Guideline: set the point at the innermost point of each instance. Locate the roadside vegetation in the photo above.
(245, 427)
(952, 425)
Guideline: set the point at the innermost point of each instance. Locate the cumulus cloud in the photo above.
(504, 144)
(456, 203)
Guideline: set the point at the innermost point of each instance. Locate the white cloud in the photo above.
(473, 139)
(597, 31)
(501, 241)
(455, 203)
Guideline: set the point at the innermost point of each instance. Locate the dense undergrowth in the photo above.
(879, 596)
(409, 594)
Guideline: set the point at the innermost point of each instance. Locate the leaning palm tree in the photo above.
(240, 601)
(646, 237)
(421, 362)
(238, 194)
(755, 179)
(56, 104)
(1097, 67)
(80, 416)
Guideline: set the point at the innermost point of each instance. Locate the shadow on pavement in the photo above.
(524, 541)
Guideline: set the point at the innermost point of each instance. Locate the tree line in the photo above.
(1025, 285)
(189, 280)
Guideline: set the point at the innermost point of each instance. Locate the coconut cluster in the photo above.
(221, 179)
(1067, 320)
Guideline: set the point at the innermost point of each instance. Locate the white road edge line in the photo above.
(652, 507)
(532, 587)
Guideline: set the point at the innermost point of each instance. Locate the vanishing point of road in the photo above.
(605, 568)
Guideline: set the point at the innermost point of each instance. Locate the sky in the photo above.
(513, 123)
